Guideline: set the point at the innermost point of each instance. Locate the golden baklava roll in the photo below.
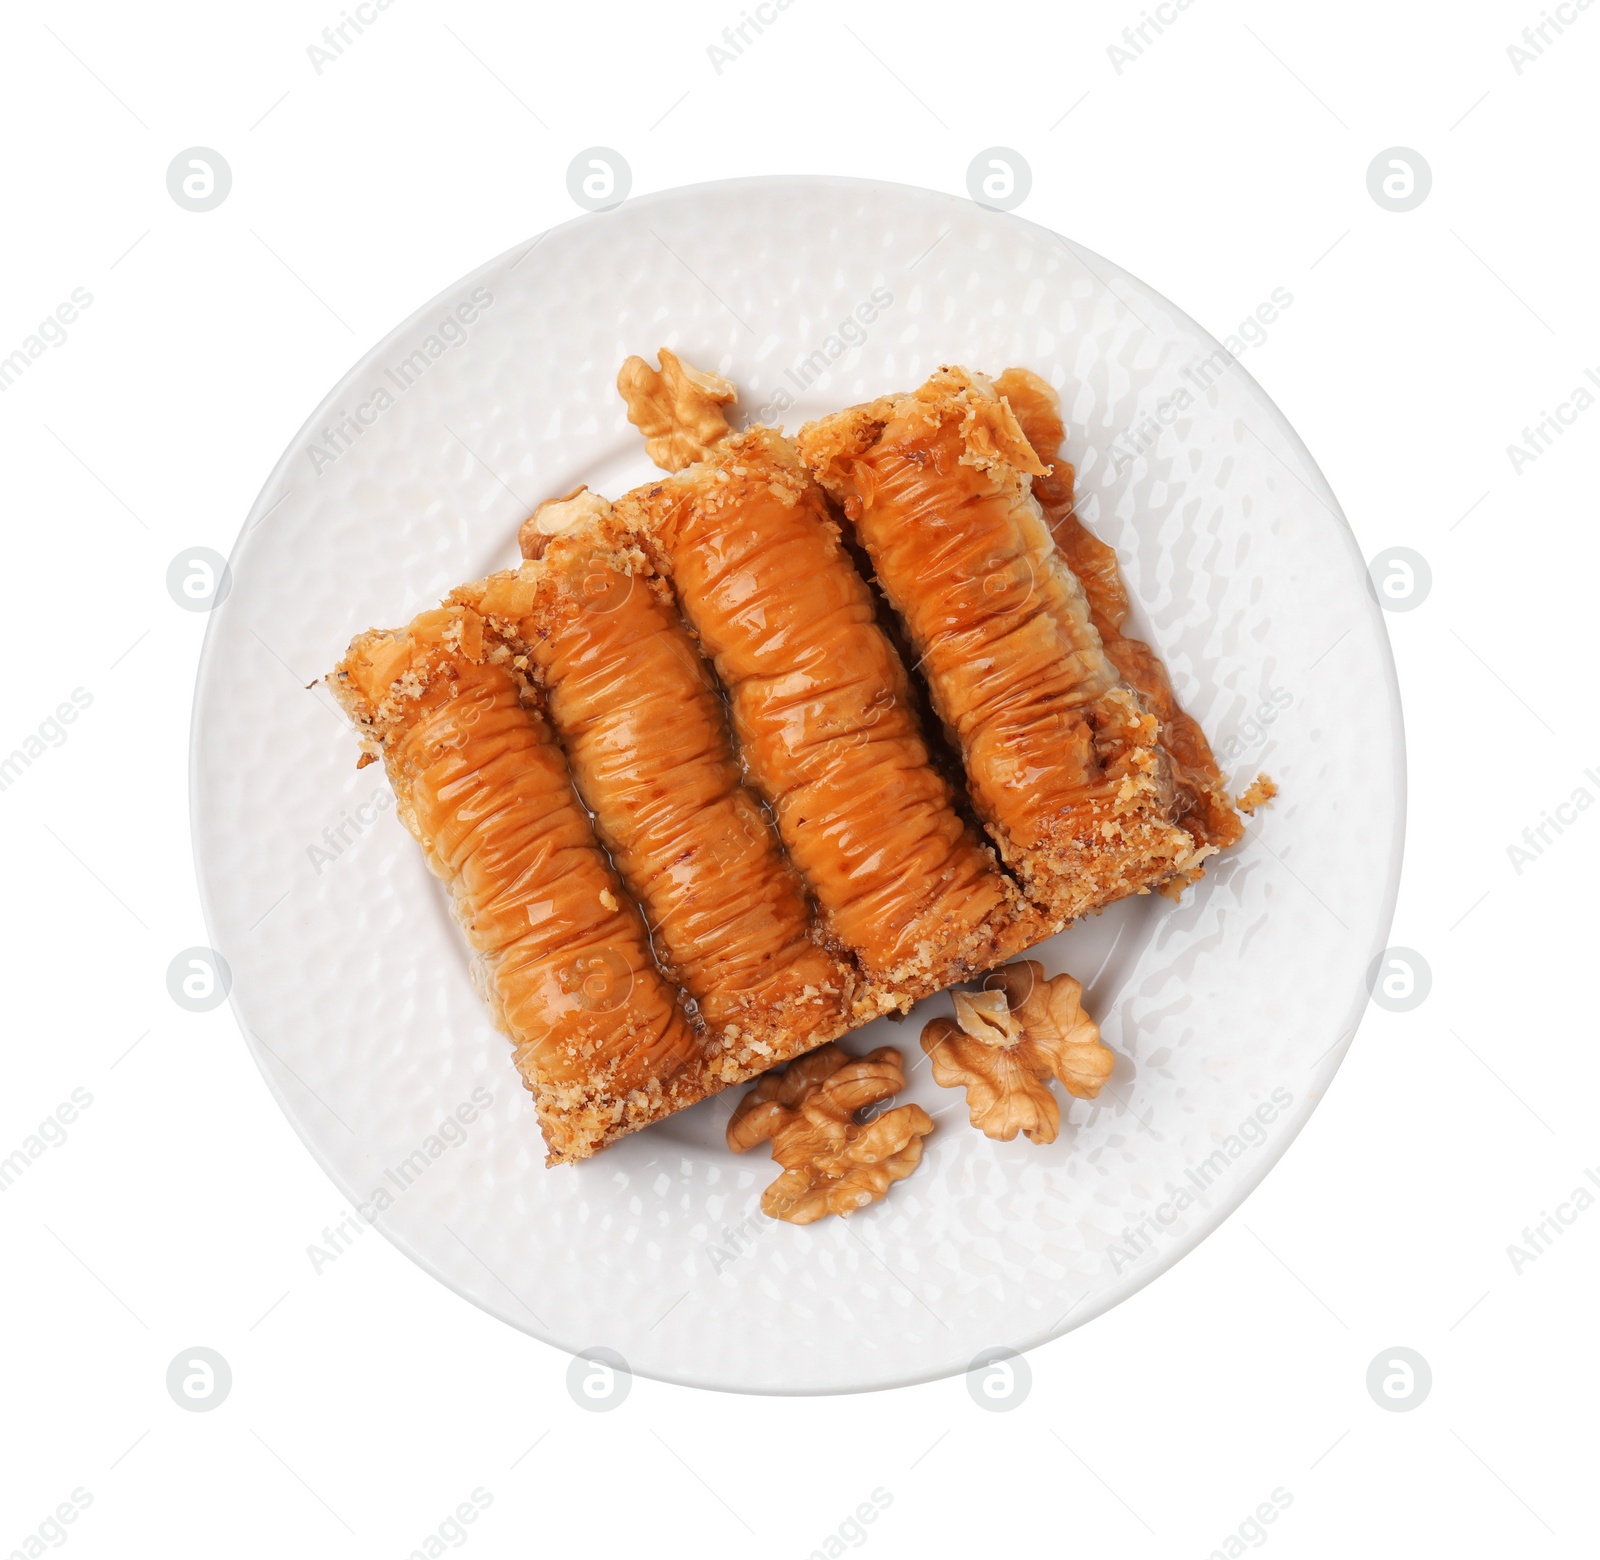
(562, 954)
(1204, 806)
(642, 723)
(1061, 757)
(825, 723)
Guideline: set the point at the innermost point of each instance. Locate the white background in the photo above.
(1227, 160)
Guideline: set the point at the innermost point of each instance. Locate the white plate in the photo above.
(1229, 1012)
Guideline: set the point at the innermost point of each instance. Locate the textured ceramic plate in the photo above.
(1229, 1012)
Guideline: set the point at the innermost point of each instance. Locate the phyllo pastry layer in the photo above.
(1062, 756)
(1204, 806)
(562, 955)
(639, 715)
(824, 720)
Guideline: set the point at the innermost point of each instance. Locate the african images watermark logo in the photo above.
(850, 332)
(1252, 730)
(1538, 1238)
(1539, 437)
(52, 1532)
(337, 38)
(1137, 39)
(50, 1133)
(51, 331)
(1536, 39)
(853, 1530)
(1204, 372)
(1137, 1241)
(51, 732)
(338, 837)
(739, 36)
(456, 1528)
(737, 1239)
(398, 1179)
(1251, 331)
(451, 332)
(1553, 822)
(1253, 1530)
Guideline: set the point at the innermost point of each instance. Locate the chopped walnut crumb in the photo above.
(556, 515)
(832, 1162)
(678, 408)
(1006, 1042)
(1260, 791)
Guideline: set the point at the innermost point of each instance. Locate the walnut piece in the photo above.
(1260, 791)
(832, 1162)
(678, 408)
(556, 515)
(1006, 1042)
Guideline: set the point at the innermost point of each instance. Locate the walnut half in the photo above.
(678, 408)
(832, 1163)
(1006, 1042)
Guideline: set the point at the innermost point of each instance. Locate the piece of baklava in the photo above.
(675, 774)
(562, 954)
(1204, 805)
(638, 713)
(1063, 758)
(821, 707)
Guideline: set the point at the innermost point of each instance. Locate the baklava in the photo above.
(697, 812)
